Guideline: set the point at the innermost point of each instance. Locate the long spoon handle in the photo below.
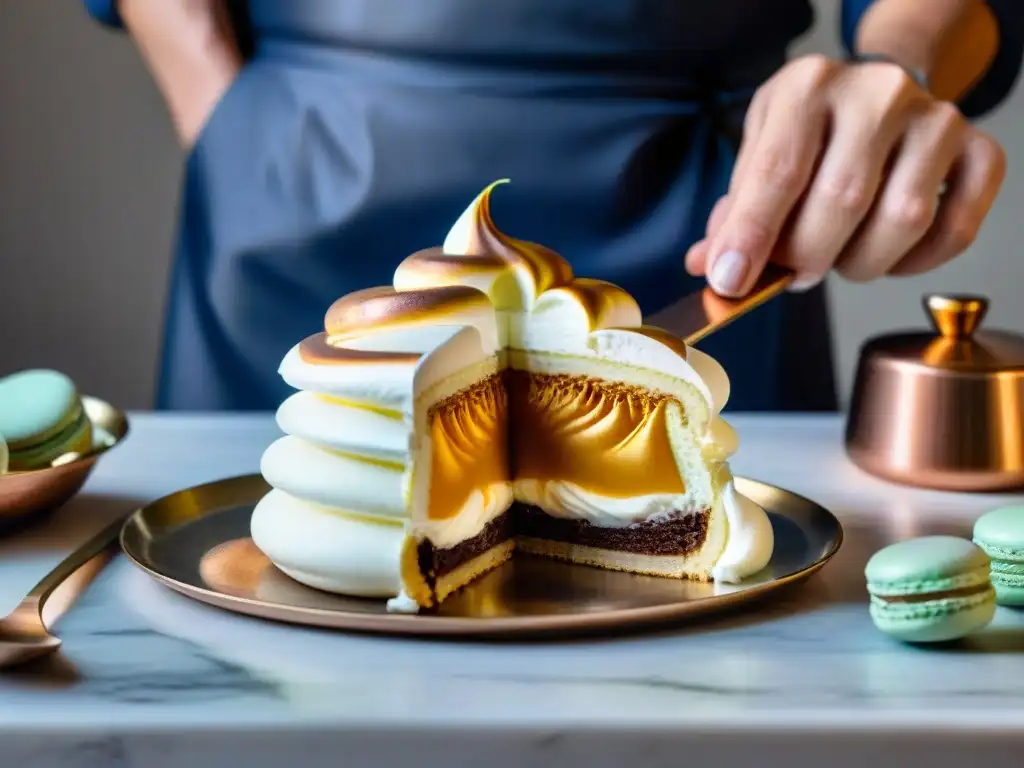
(60, 588)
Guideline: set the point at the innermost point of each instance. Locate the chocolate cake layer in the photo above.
(675, 536)
(436, 562)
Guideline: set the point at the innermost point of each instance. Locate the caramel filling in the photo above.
(469, 432)
(608, 438)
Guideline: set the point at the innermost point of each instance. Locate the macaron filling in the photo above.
(929, 589)
(933, 608)
(949, 594)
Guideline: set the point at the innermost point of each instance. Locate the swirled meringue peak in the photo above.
(514, 273)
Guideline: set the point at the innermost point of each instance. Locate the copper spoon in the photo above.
(25, 633)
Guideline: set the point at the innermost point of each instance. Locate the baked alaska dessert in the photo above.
(489, 401)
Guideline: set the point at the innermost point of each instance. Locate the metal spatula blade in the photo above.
(699, 314)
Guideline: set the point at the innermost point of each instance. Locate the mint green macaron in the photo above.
(1000, 533)
(931, 589)
(41, 418)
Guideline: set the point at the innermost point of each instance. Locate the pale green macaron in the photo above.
(41, 418)
(1000, 533)
(931, 589)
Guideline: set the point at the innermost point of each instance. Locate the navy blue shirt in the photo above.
(359, 129)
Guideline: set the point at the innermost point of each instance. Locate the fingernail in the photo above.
(804, 283)
(728, 272)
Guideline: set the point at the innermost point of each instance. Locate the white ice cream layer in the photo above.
(567, 500)
(751, 538)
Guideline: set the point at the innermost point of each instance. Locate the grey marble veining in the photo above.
(148, 677)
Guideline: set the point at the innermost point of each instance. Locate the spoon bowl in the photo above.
(25, 635)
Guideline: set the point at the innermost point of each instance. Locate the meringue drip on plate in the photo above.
(490, 401)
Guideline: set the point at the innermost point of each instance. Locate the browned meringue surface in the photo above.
(381, 309)
(547, 268)
(316, 350)
(513, 272)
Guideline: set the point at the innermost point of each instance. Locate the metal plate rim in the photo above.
(426, 625)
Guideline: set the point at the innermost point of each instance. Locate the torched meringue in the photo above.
(489, 374)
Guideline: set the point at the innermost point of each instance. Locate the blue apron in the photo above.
(359, 130)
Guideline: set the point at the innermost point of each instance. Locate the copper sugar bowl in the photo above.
(942, 410)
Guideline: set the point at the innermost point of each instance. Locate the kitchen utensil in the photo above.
(26, 633)
(699, 314)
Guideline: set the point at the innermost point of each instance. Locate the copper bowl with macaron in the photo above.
(50, 439)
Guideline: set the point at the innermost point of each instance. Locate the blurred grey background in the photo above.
(89, 174)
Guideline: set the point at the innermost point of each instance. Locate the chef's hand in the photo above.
(850, 166)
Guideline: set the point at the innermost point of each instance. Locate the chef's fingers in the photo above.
(696, 257)
(775, 171)
(870, 118)
(971, 189)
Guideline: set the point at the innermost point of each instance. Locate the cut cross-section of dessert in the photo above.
(490, 401)
(344, 472)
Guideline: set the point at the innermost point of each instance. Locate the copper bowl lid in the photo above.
(945, 409)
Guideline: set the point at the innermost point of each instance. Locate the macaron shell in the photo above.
(1002, 530)
(35, 405)
(1008, 579)
(935, 623)
(913, 566)
(1010, 595)
(77, 436)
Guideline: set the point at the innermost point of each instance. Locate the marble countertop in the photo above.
(148, 677)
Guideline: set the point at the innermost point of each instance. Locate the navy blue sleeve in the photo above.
(997, 83)
(104, 11)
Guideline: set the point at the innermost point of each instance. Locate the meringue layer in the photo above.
(328, 549)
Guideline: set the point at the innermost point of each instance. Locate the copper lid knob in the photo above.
(955, 316)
